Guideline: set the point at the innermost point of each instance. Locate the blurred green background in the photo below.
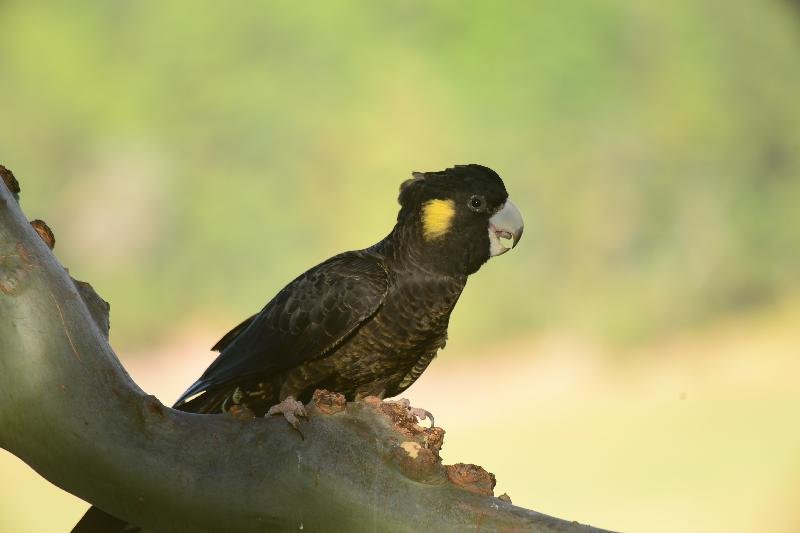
(193, 158)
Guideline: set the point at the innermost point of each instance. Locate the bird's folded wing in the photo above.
(308, 319)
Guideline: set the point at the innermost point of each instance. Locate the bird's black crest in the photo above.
(459, 174)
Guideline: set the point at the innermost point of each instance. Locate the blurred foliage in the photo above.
(192, 158)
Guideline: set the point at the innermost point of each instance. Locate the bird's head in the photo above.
(462, 214)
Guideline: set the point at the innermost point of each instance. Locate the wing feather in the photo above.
(306, 320)
(232, 334)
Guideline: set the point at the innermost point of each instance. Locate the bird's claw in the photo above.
(422, 414)
(416, 412)
(291, 410)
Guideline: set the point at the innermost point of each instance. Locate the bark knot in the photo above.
(154, 406)
(10, 181)
(472, 478)
(241, 412)
(328, 402)
(14, 269)
(44, 232)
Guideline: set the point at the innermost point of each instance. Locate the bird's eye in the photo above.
(476, 203)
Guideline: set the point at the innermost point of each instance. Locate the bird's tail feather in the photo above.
(98, 521)
(208, 402)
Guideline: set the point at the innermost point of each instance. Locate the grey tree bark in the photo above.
(69, 410)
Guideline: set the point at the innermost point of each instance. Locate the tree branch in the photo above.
(69, 409)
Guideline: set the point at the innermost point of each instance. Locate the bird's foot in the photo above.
(416, 412)
(291, 410)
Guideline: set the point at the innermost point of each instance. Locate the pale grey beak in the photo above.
(505, 224)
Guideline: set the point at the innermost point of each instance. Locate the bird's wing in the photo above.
(308, 319)
(229, 337)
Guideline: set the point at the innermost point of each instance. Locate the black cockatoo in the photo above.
(364, 322)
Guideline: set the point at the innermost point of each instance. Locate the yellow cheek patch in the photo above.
(437, 217)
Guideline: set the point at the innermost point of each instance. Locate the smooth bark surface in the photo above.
(69, 409)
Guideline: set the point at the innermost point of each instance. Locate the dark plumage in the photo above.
(361, 323)
(366, 322)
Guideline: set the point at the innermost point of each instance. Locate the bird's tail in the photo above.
(208, 402)
(98, 521)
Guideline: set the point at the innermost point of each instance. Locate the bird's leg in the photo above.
(291, 409)
(416, 412)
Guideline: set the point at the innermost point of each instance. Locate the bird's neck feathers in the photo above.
(420, 246)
